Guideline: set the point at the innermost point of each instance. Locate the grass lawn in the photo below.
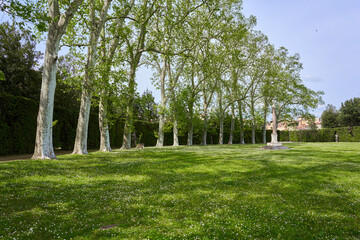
(202, 192)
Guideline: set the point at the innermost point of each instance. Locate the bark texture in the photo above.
(232, 125)
(96, 26)
(43, 143)
(103, 125)
(160, 140)
(175, 133)
(241, 123)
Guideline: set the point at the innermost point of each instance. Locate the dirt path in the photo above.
(28, 156)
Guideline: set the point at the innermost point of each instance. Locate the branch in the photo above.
(74, 45)
(68, 14)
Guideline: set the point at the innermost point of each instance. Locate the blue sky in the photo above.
(326, 34)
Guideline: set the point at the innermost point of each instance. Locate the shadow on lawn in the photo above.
(185, 193)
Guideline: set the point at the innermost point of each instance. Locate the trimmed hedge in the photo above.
(18, 126)
(345, 134)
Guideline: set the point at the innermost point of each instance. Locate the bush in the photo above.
(17, 124)
(345, 134)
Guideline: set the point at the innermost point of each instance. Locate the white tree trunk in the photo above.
(232, 126)
(175, 133)
(160, 140)
(104, 125)
(241, 123)
(221, 131)
(126, 140)
(43, 142)
(80, 146)
(252, 124)
(204, 135)
(129, 110)
(264, 125)
(190, 127)
(190, 135)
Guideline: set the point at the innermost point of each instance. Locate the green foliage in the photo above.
(17, 124)
(2, 76)
(199, 192)
(18, 59)
(346, 134)
(330, 117)
(350, 112)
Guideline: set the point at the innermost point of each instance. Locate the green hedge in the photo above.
(18, 126)
(346, 134)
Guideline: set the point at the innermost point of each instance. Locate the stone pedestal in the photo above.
(274, 144)
(274, 138)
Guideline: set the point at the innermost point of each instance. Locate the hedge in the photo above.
(18, 126)
(345, 134)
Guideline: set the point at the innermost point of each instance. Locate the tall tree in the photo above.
(57, 24)
(96, 25)
(136, 45)
(18, 60)
(330, 117)
(350, 112)
(106, 62)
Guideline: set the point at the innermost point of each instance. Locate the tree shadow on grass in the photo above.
(187, 194)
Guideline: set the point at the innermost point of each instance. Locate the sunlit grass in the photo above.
(202, 192)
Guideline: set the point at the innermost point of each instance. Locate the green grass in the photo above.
(203, 192)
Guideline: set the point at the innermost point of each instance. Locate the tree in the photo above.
(330, 117)
(136, 42)
(18, 61)
(106, 62)
(57, 25)
(96, 25)
(350, 112)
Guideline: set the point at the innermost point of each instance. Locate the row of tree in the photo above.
(206, 56)
(347, 116)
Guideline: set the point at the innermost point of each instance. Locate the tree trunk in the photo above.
(175, 133)
(264, 125)
(232, 126)
(126, 137)
(160, 140)
(190, 135)
(221, 131)
(253, 140)
(221, 118)
(204, 136)
(43, 142)
(241, 122)
(103, 124)
(129, 110)
(96, 26)
(80, 146)
(175, 126)
(191, 127)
